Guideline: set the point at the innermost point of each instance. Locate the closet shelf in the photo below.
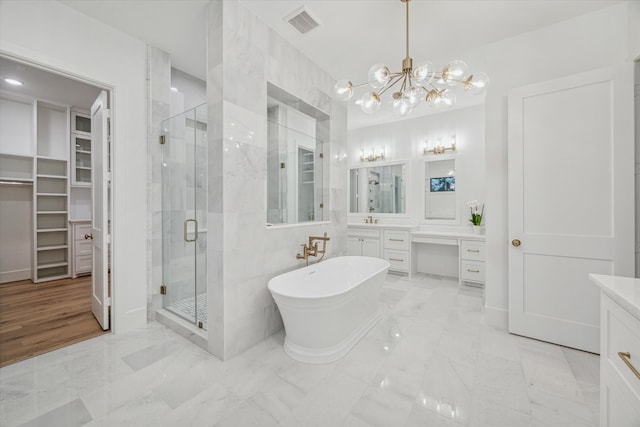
(52, 176)
(51, 248)
(51, 158)
(51, 230)
(9, 178)
(51, 212)
(83, 151)
(53, 264)
(83, 168)
(53, 194)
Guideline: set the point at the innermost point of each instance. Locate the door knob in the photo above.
(88, 236)
(516, 242)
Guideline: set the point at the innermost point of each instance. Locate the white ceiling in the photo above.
(46, 85)
(353, 34)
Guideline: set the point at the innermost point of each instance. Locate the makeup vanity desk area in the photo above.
(399, 244)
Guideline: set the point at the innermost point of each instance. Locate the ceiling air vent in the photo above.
(302, 20)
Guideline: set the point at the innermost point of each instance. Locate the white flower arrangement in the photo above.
(477, 212)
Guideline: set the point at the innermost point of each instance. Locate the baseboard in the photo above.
(15, 275)
(497, 317)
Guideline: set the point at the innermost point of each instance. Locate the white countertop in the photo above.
(382, 225)
(623, 290)
(453, 234)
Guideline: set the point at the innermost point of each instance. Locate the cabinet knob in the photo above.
(516, 242)
(88, 236)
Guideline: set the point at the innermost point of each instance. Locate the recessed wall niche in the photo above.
(296, 167)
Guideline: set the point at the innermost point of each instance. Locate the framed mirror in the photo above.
(378, 189)
(440, 201)
(295, 159)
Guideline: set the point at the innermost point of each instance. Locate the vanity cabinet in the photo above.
(472, 257)
(396, 244)
(363, 242)
(620, 387)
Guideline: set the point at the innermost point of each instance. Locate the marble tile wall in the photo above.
(245, 54)
(158, 109)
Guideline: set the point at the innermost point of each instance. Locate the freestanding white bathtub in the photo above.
(327, 307)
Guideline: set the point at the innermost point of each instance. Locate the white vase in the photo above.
(477, 229)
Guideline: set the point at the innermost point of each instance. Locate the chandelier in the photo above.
(418, 84)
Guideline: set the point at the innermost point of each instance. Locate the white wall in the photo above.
(404, 141)
(592, 41)
(54, 35)
(243, 254)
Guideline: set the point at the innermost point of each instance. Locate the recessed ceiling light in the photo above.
(13, 82)
(174, 89)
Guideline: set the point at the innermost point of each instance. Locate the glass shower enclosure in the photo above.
(184, 215)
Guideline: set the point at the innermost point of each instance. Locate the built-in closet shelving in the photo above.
(80, 149)
(51, 193)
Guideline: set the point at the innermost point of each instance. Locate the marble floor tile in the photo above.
(431, 361)
(71, 414)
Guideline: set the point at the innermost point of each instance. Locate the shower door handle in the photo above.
(187, 221)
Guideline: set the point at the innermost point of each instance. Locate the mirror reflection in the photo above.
(294, 159)
(378, 189)
(440, 189)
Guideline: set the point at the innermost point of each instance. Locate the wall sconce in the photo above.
(372, 157)
(439, 148)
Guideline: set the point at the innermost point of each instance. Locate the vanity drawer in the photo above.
(623, 331)
(472, 270)
(394, 239)
(399, 260)
(434, 240)
(472, 250)
(363, 232)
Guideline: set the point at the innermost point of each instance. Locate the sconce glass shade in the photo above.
(476, 83)
(370, 102)
(379, 75)
(344, 90)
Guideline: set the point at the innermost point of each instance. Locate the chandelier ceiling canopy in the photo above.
(413, 85)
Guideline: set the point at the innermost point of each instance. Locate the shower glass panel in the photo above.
(184, 215)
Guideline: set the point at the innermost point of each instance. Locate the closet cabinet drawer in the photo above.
(83, 264)
(83, 247)
(399, 260)
(394, 239)
(472, 250)
(472, 271)
(81, 230)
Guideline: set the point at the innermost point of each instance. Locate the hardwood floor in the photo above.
(37, 318)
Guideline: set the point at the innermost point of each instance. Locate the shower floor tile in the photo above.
(187, 308)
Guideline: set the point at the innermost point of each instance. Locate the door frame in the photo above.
(110, 152)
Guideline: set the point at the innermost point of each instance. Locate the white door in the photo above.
(100, 298)
(571, 202)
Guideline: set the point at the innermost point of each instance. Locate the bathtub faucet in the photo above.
(312, 248)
